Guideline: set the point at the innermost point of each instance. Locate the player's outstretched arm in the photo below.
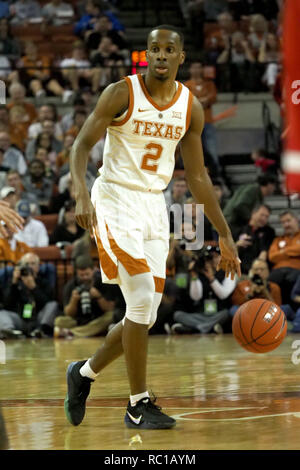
(203, 192)
(112, 102)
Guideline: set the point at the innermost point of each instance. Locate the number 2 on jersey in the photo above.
(146, 165)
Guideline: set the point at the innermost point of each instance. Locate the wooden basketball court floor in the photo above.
(222, 396)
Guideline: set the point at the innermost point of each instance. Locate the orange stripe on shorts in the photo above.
(132, 265)
(109, 268)
(159, 284)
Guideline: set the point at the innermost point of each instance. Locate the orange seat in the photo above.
(47, 253)
(49, 220)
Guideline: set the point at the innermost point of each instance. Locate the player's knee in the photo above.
(139, 307)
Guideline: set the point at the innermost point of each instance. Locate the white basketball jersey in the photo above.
(140, 145)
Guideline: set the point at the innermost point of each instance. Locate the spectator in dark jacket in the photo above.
(29, 301)
(255, 238)
(88, 303)
(238, 209)
(68, 230)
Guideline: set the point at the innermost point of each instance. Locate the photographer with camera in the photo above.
(88, 304)
(29, 302)
(256, 286)
(209, 292)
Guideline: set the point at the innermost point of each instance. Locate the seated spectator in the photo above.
(58, 13)
(23, 11)
(284, 254)
(103, 27)
(107, 9)
(238, 209)
(89, 18)
(8, 194)
(43, 155)
(80, 117)
(256, 286)
(11, 250)
(258, 34)
(261, 161)
(34, 71)
(36, 183)
(9, 46)
(222, 35)
(108, 61)
(13, 158)
(77, 69)
(63, 156)
(239, 56)
(17, 93)
(46, 112)
(18, 127)
(255, 238)
(88, 303)
(68, 230)
(209, 292)
(206, 92)
(46, 139)
(14, 180)
(29, 302)
(34, 233)
(269, 55)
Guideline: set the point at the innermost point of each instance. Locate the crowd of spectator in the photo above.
(35, 145)
(239, 41)
(98, 51)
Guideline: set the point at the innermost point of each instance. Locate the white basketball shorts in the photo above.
(133, 229)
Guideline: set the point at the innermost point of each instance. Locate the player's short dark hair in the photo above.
(84, 262)
(169, 27)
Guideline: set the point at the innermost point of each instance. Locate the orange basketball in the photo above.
(259, 325)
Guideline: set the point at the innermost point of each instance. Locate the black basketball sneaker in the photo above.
(78, 391)
(146, 415)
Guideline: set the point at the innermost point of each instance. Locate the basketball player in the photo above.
(14, 222)
(145, 118)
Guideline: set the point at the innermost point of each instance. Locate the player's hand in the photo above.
(229, 262)
(11, 219)
(85, 214)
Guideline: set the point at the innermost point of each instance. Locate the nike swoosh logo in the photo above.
(135, 420)
(142, 110)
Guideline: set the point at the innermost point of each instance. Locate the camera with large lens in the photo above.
(26, 270)
(85, 299)
(204, 255)
(256, 279)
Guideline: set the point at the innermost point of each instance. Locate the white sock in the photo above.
(135, 398)
(87, 371)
